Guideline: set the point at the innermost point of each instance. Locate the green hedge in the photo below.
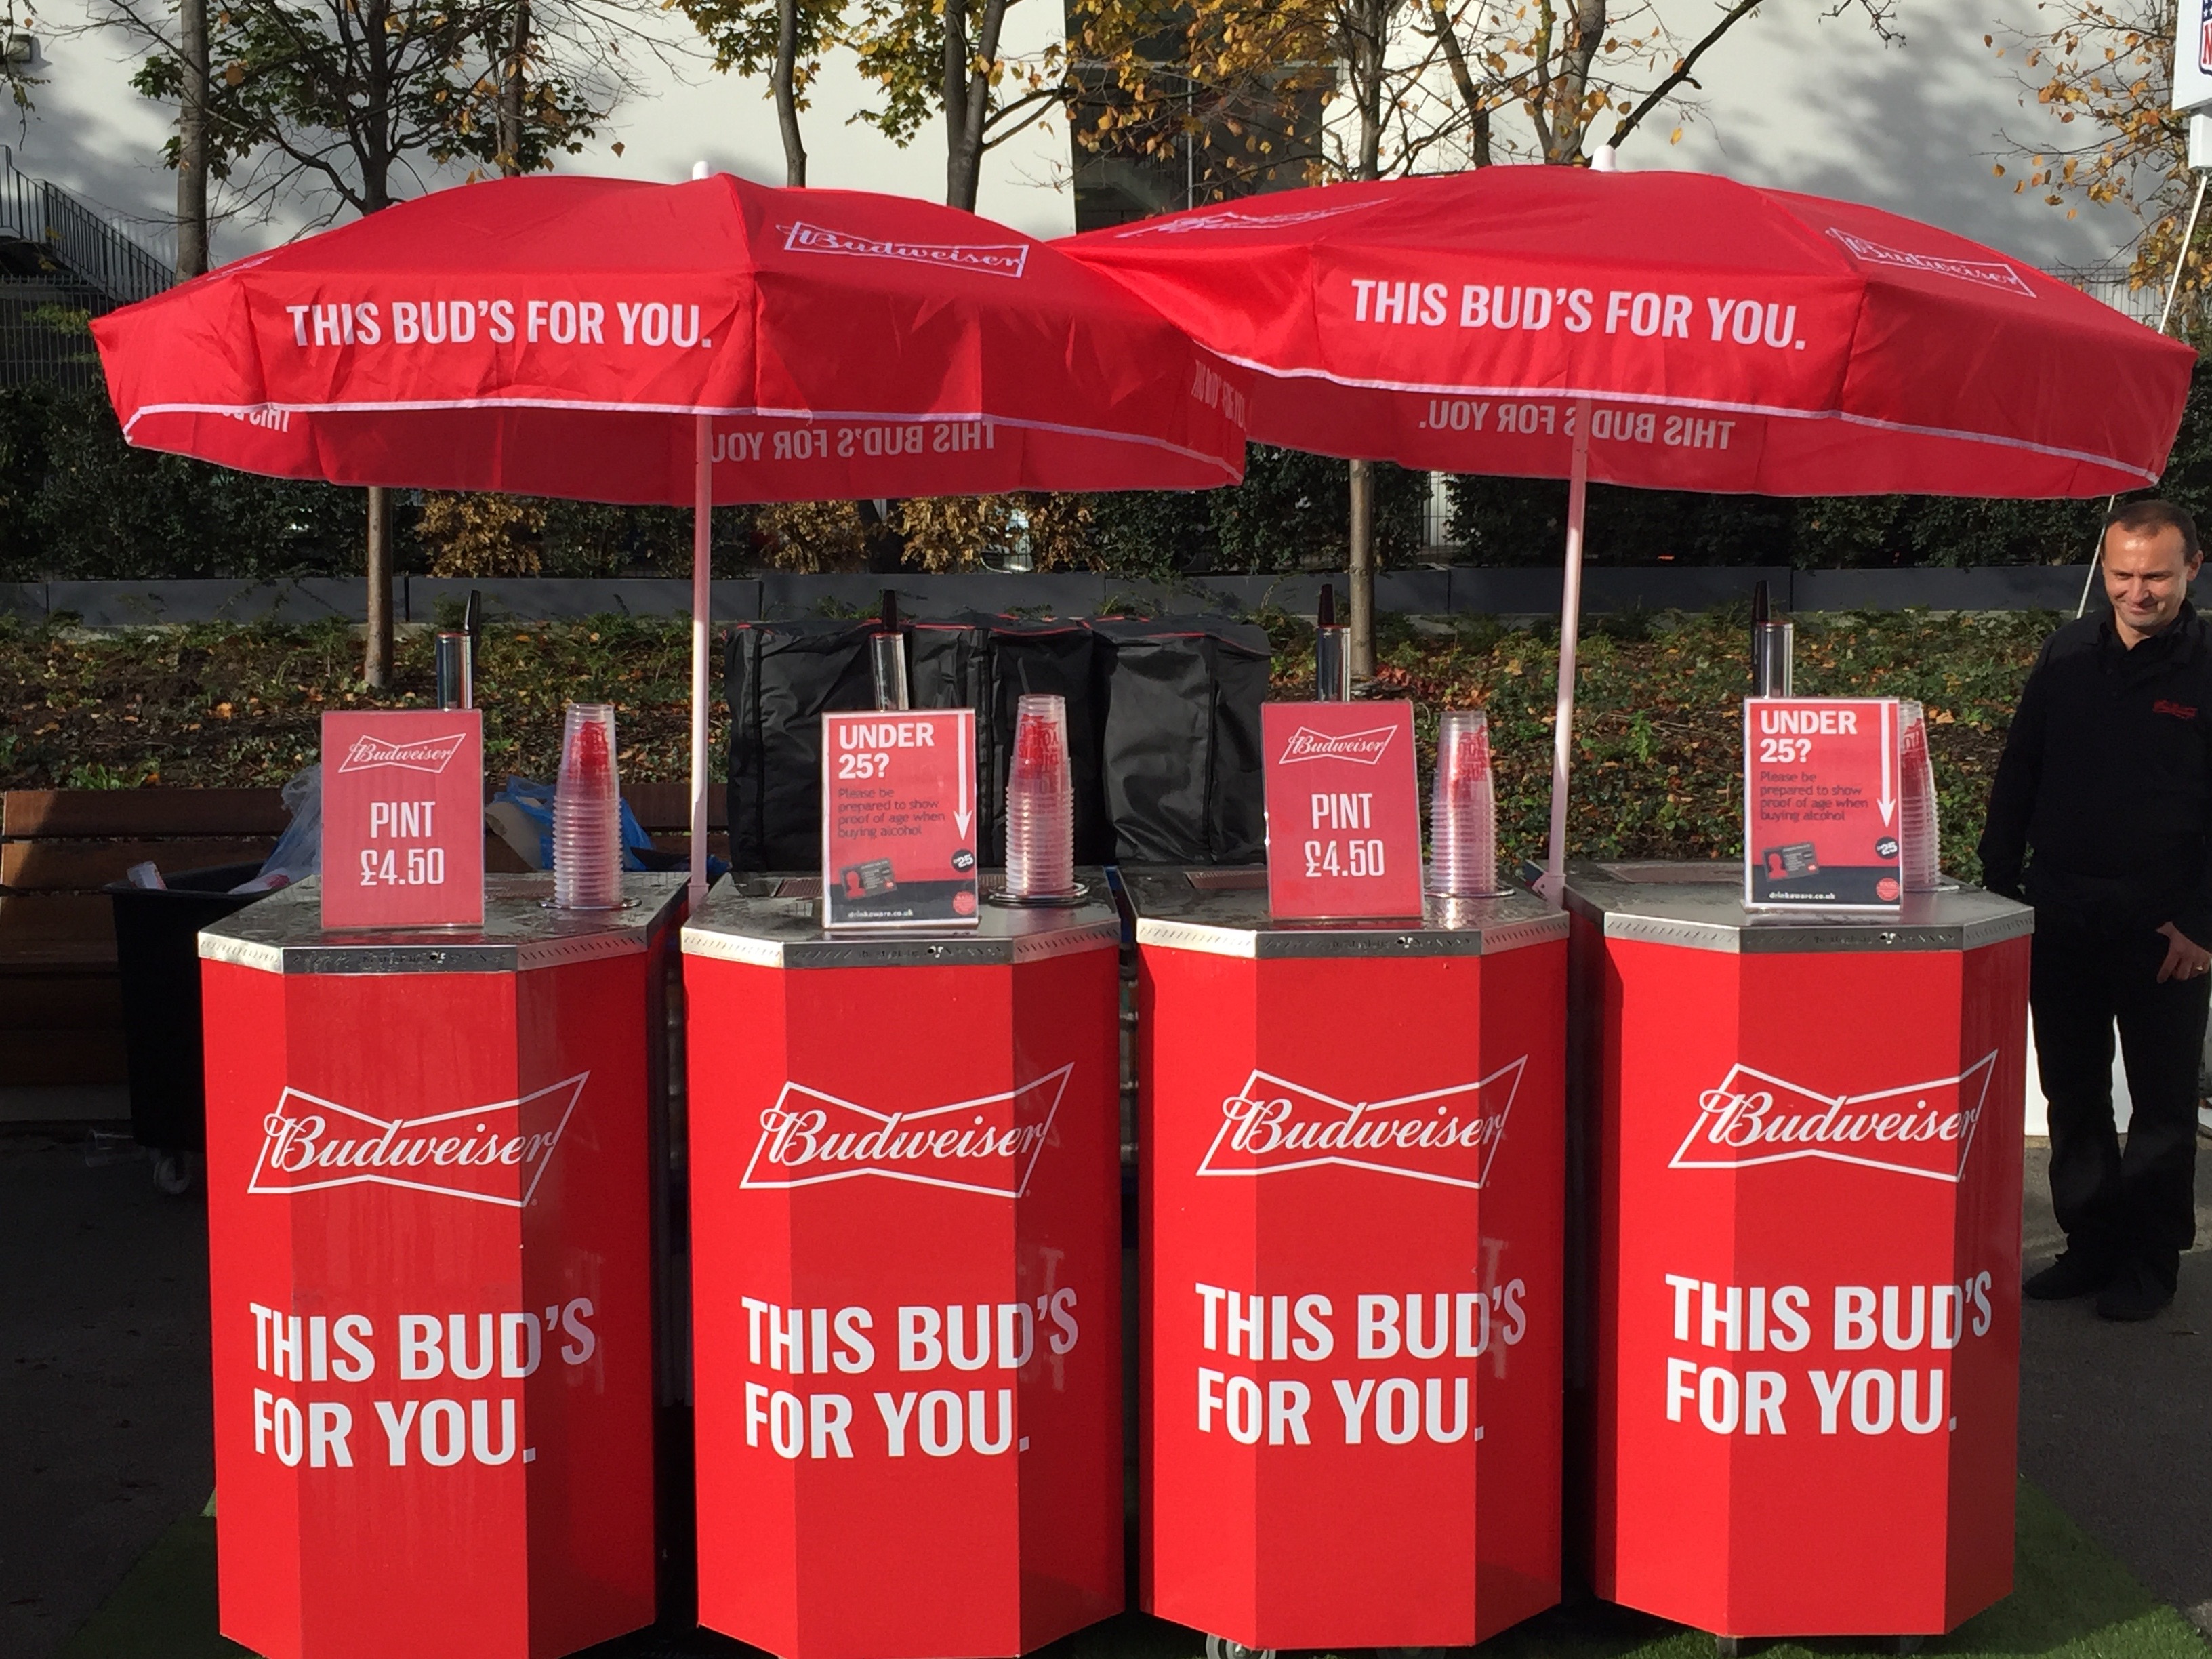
(1658, 730)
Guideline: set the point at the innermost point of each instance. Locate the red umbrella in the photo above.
(715, 341)
(1669, 330)
(509, 336)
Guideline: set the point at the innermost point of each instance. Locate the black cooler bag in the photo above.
(1163, 728)
(1181, 759)
(783, 676)
(989, 663)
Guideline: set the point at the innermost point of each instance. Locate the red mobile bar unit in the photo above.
(1351, 1139)
(906, 1277)
(428, 1241)
(1798, 1187)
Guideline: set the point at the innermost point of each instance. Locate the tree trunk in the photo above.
(512, 89)
(191, 141)
(787, 95)
(880, 533)
(376, 665)
(1362, 570)
(374, 145)
(1570, 121)
(959, 178)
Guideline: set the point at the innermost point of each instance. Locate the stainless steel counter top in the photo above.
(283, 933)
(1701, 905)
(774, 921)
(1226, 912)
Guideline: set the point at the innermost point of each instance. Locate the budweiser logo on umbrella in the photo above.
(990, 1144)
(1365, 747)
(492, 1154)
(1236, 219)
(1989, 273)
(998, 258)
(423, 755)
(1923, 1129)
(1447, 1135)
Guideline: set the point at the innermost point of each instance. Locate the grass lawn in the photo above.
(1659, 740)
(2072, 1602)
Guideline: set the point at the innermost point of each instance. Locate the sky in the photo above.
(1793, 99)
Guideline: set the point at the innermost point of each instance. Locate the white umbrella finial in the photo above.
(1608, 159)
(698, 169)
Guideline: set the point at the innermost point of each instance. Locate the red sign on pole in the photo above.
(1344, 820)
(403, 819)
(898, 818)
(1821, 796)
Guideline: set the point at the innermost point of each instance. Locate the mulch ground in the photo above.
(1658, 751)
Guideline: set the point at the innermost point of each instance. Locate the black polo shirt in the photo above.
(2107, 777)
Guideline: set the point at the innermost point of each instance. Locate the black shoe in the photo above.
(2135, 1293)
(2075, 1273)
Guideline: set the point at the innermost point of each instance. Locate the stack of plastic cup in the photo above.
(1917, 800)
(587, 812)
(1039, 804)
(1463, 809)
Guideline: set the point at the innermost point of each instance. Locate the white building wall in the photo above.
(1793, 99)
(90, 133)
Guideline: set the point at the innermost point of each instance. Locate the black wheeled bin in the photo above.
(157, 960)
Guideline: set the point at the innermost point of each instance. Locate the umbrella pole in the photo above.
(703, 580)
(1570, 612)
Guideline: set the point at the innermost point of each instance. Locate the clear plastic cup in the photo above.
(1463, 809)
(587, 812)
(1917, 822)
(1040, 802)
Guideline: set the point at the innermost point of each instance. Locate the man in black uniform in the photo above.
(2107, 775)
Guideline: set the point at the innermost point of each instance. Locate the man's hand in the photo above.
(2185, 959)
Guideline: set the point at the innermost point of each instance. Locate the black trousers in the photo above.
(2088, 971)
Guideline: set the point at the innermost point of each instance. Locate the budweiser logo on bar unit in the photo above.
(494, 1154)
(1365, 747)
(989, 1145)
(1448, 1135)
(424, 755)
(1920, 1129)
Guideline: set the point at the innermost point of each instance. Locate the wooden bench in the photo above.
(61, 1019)
(663, 811)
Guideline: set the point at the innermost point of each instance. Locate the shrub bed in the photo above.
(1658, 734)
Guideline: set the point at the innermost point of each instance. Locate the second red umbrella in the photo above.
(1670, 329)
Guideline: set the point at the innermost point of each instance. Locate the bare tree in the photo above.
(786, 40)
(1400, 87)
(349, 105)
(192, 138)
(948, 57)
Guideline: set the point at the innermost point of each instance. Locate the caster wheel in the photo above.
(176, 1173)
(1220, 1647)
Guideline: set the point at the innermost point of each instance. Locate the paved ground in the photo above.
(104, 1392)
(2116, 1420)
